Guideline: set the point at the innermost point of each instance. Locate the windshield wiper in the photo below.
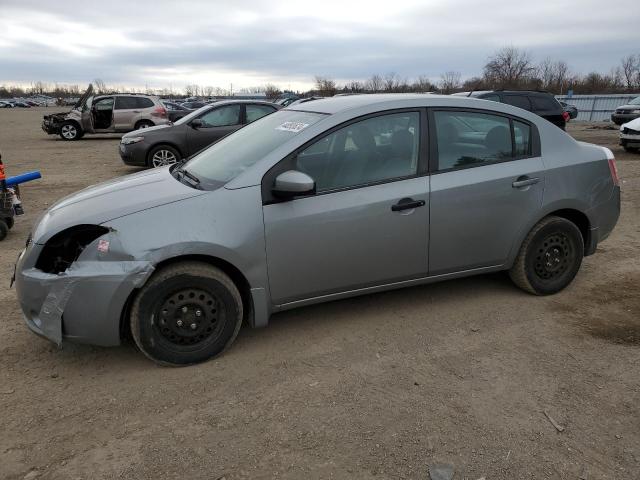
(188, 176)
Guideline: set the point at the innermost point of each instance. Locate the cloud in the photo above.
(158, 43)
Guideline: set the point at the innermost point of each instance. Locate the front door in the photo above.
(368, 222)
(216, 123)
(486, 186)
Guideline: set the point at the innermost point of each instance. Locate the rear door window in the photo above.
(468, 138)
(125, 103)
(544, 103)
(142, 102)
(519, 101)
(254, 112)
(222, 116)
(522, 139)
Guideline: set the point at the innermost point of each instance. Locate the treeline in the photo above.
(507, 68)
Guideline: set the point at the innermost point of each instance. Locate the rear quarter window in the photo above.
(519, 101)
(142, 102)
(544, 103)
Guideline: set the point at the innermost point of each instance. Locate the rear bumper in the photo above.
(606, 217)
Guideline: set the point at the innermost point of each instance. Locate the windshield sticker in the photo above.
(294, 127)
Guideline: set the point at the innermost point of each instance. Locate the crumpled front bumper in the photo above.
(84, 304)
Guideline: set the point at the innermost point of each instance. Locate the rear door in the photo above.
(125, 110)
(216, 123)
(487, 183)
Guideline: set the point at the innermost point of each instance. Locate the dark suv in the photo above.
(541, 103)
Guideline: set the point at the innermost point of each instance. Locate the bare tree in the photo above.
(630, 66)
(509, 67)
(391, 82)
(271, 91)
(325, 86)
(374, 84)
(100, 86)
(422, 84)
(449, 82)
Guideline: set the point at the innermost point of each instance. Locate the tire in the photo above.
(162, 155)
(143, 124)
(630, 149)
(549, 257)
(9, 221)
(70, 131)
(165, 323)
(4, 230)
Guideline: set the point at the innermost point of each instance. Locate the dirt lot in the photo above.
(379, 386)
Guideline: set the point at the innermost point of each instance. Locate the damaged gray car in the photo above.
(340, 197)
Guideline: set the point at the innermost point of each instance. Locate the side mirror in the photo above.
(197, 123)
(293, 183)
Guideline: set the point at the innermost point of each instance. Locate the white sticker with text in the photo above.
(294, 127)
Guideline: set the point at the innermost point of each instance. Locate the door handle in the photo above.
(136, 111)
(407, 204)
(525, 181)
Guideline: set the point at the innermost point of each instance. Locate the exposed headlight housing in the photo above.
(130, 140)
(65, 247)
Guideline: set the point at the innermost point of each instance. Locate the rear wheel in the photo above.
(70, 131)
(143, 124)
(549, 257)
(186, 313)
(162, 155)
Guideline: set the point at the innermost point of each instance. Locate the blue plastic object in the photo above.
(22, 178)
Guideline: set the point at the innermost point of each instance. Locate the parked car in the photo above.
(286, 101)
(106, 114)
(572, 110)
(20, 104)
(194, 105)
(630, 135)
(305, 100)
(4, 104)
(175, 111)
(541, 103)
(626, 113)
(165, 145)
(345, 196)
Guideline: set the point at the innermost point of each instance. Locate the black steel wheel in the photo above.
(186, 313)
(549, 258)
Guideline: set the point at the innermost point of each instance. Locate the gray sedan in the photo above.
(166, 144)
(339, 197)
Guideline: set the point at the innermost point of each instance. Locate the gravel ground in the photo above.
(381, 386)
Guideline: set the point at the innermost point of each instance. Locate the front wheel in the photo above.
(69, 131)
(549, 257)
(187, 313)
(629, 149)
(163, 155)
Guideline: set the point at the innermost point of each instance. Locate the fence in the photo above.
(596, 108)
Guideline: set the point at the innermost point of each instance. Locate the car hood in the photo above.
(628, 107)
(113, 199)
(143, 132)
(633, 125)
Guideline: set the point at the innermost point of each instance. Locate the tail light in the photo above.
(566, 116)
(159, 112)
(614, 171)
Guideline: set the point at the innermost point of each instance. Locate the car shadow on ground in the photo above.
(297, 322)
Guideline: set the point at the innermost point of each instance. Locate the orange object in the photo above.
(2, 175)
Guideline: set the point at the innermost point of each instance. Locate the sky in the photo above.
(168, 44)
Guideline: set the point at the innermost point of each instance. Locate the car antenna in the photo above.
(472, 90)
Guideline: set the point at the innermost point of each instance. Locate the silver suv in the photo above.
(120, 112)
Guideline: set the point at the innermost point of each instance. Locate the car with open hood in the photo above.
(113, 113)
(340, 197)
(630, 135)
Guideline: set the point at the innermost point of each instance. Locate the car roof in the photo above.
(331, 105)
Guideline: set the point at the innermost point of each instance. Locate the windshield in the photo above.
(192, 115)
(635, 101)
(232, 155)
